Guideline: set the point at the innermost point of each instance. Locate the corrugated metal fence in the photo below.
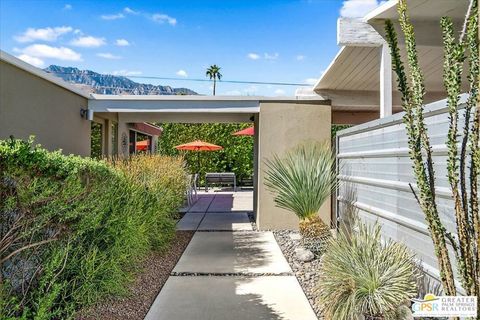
(374, 164)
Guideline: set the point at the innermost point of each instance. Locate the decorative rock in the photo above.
(406, 312)
(307, 273)
(304, 255)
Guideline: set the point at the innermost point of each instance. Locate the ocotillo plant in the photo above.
(462, 161)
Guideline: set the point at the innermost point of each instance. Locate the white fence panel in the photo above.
(373, 161)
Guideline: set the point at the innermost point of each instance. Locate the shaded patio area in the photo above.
(220, 211)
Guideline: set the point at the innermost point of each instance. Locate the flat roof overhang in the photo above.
(352, 80)
(187, 108)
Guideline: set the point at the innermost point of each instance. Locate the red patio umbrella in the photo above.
(250, 131)
(198, 145)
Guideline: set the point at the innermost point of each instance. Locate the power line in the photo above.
(225, 81)
(206, 80)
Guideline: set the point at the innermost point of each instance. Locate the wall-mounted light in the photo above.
(87, 114)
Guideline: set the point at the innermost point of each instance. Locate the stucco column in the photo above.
(385, 81)
(281, 127)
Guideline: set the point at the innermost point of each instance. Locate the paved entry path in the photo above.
(229, 271)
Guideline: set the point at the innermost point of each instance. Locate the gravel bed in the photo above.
(306, 272)
(155, 270)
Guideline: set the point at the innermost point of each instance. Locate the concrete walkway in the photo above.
(230, 272)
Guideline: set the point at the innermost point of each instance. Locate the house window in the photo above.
(144, 143)
(96, 138)
(140, 142)
(132, 141)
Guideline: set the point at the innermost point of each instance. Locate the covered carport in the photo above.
(281, 123)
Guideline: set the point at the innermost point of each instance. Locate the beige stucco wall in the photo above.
(281, 127)
(30, 105)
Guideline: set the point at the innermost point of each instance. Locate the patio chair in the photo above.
(191, 191)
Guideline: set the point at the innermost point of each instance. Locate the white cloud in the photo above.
(130, 11)
(122, 43)
(279, 92)
(162, 18)
(32, 60)
(300, 57)
(266, 56)
(107, 55)
(88, 42)
(182, 73)
(272, 56)
(112, 16)
(358, 8)
(43, 34)
(67, 7)
(311, 81)
(46, 51)
(126, 73)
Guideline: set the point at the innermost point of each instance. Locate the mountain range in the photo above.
(110, 84)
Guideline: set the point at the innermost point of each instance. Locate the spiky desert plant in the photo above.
(302, 181)
(466, 244)
(361, 275)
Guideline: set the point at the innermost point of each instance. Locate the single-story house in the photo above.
(62, 116)
(357, 87)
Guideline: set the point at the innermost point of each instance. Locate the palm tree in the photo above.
(213, 72)
(301, 182)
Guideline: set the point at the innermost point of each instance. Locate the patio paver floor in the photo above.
(225, 221)
(231, 271)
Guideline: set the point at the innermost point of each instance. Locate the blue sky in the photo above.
(268, 41)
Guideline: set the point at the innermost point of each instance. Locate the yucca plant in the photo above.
(361, 276)
(302, 181)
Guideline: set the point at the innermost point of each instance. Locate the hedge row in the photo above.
(72, 228)
(236, 155)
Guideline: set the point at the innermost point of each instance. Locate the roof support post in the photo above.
(385, 82)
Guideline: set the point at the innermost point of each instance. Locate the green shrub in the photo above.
(73, 228)
(360, 275)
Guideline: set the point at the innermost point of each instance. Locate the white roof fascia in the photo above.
(199, 98)
(377, 11)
